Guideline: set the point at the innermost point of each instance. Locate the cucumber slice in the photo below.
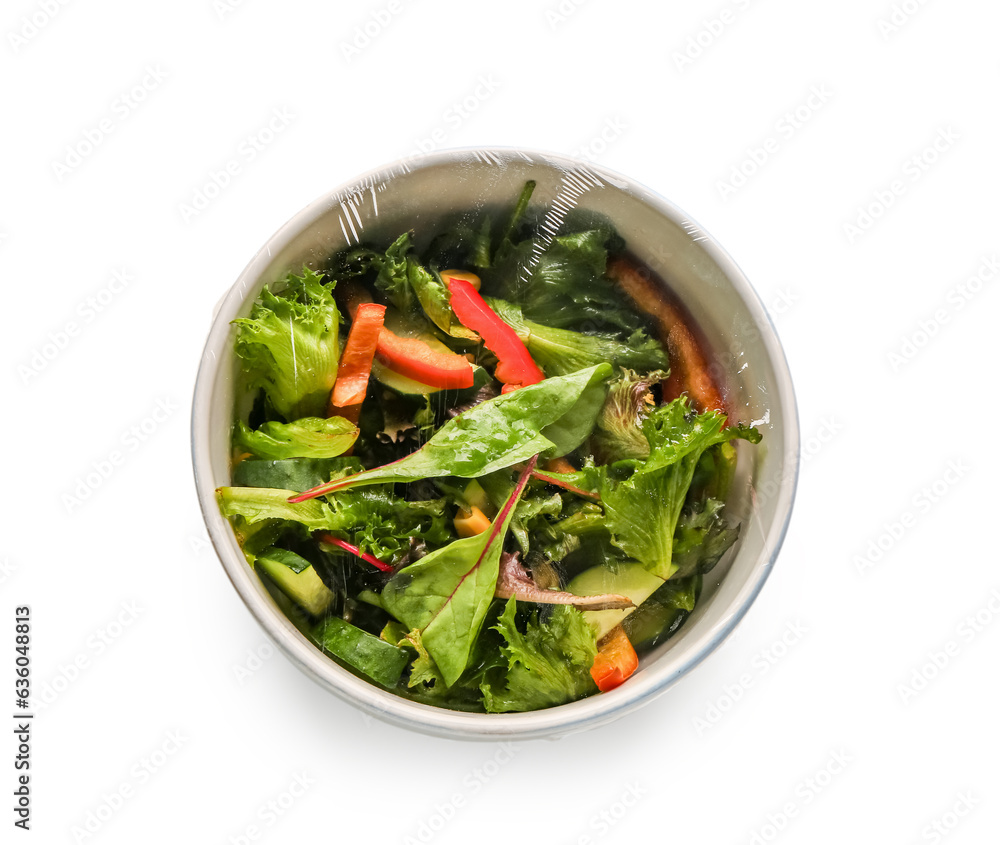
(627, 579)
(290, 474)
(296, 578)
(372, 657)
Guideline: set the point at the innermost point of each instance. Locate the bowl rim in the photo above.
(564, 719)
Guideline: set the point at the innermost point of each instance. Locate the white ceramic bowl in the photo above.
(415, 193)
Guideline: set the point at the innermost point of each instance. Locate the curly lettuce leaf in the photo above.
(547, 665)
(618, 433)
(289, 345)
(642, 510)
(374, 520)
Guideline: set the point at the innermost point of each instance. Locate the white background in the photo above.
(846, 731)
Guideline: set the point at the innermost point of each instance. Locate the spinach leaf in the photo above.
(446, 594)
(550, 418)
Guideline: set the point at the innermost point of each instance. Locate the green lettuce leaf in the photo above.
(446, 594)
(560, 282)
(374, 520)
(618, 433)
(559, 351)
(642, 510)
(547, 665)
(410, 286)
(309, 437)
(702, 538)
(289, 345)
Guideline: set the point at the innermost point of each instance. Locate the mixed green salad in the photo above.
(486, 473)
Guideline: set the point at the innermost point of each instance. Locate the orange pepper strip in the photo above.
(356, 362)
(616, 660)
(410, 356)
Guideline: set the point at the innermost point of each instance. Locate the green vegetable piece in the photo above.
(289, 345)
(294, 474)
(662, 613)
(409, 284)
(642, 511)
(309, 437)
(446, 594)
(549, 664)
(296, 578)
(625, 579)
(618, 434)
(374, 520)
(550, 418)
(559, 351)
(255, 504)
(378, 660)
(702, 538)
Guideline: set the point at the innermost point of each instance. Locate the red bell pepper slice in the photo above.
(515, 367)
(356, 362)
(616, 660)
(411, 357)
